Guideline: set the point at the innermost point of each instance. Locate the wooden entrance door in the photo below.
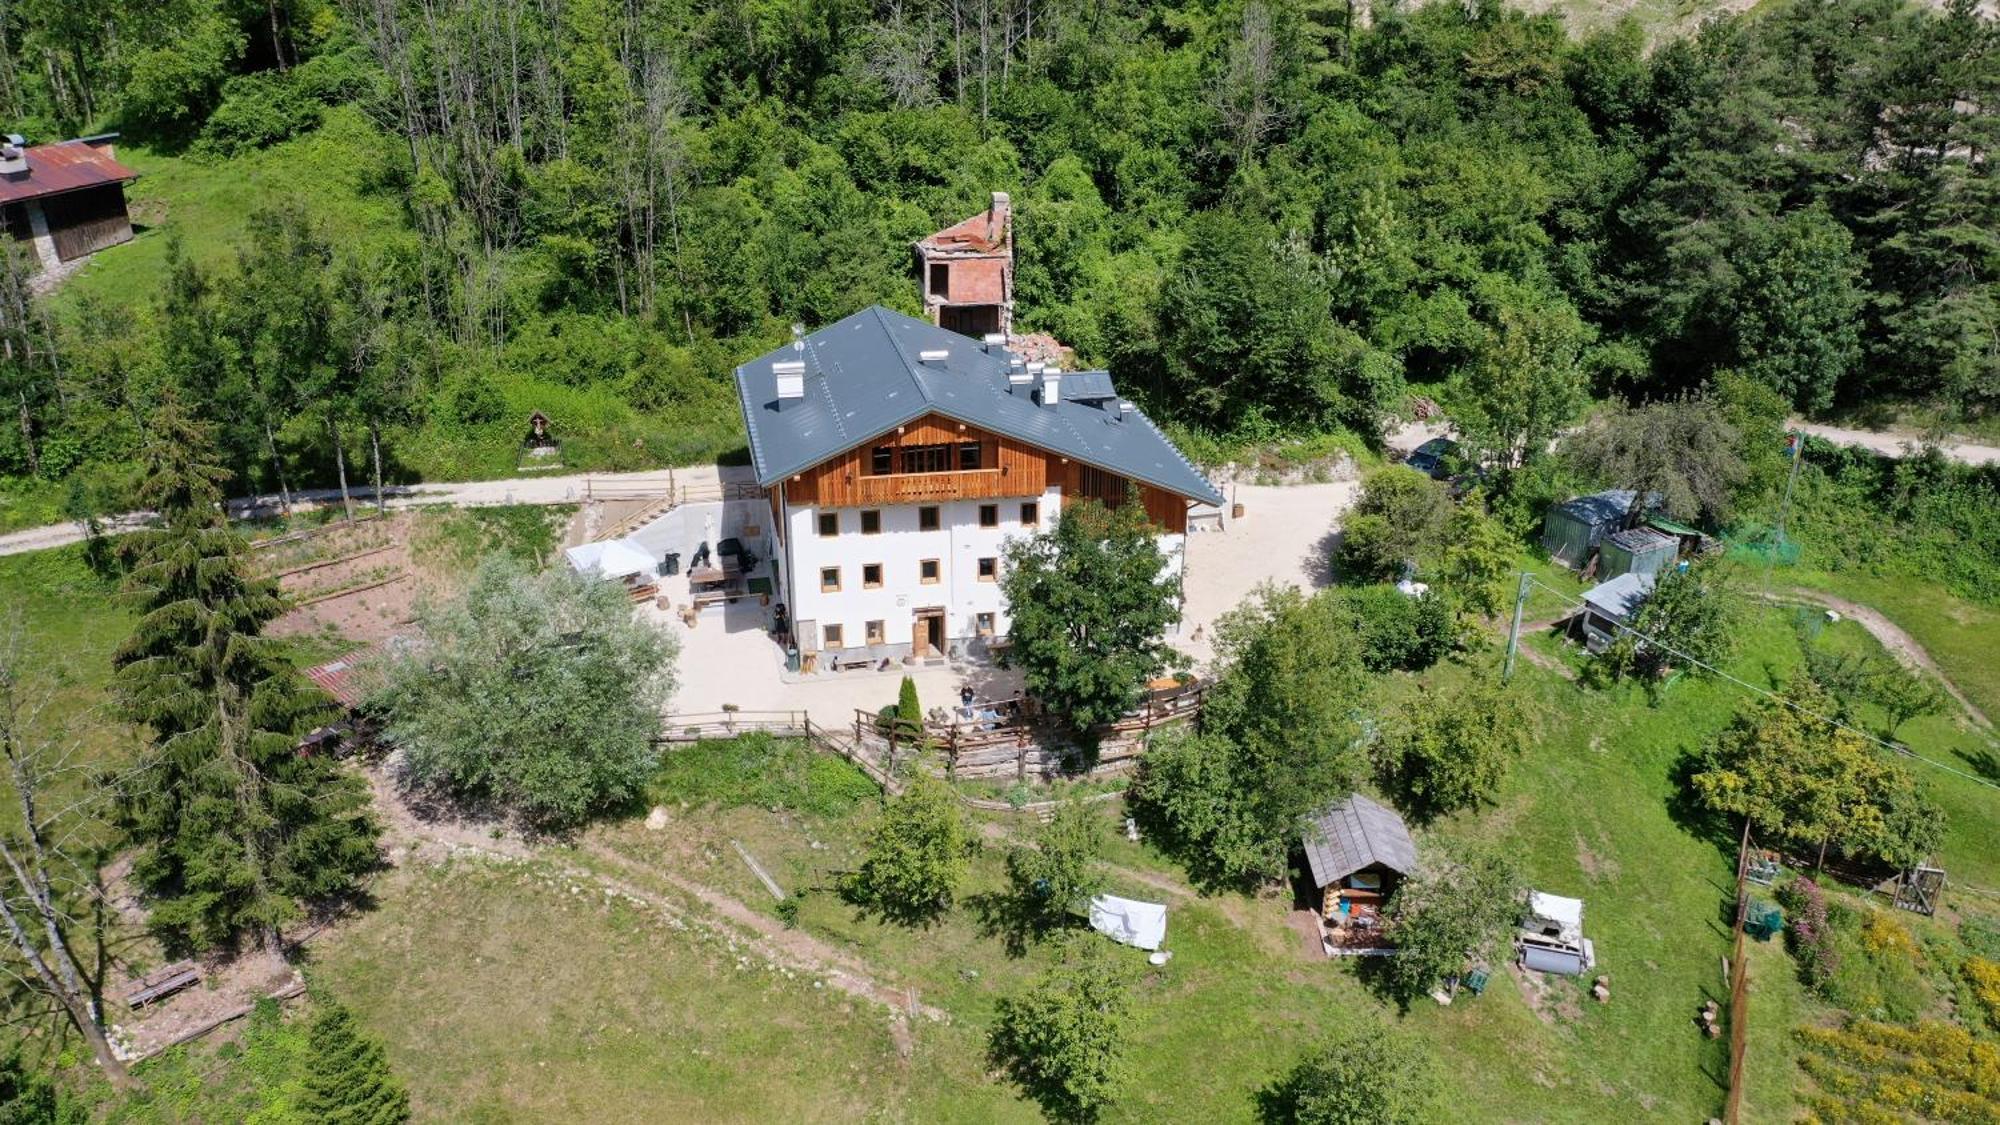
(927, 635)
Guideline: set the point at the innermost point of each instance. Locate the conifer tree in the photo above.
(348, 1080)
(234, 825)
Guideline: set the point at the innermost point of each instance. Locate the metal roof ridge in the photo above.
(909, 368)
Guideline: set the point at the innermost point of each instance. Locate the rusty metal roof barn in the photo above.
(1354, 835)
(64, 167)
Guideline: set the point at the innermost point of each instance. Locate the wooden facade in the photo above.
(1009, 468)
(84, 222)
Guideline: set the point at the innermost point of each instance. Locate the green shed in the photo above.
(1573, 528)
(1638, 550)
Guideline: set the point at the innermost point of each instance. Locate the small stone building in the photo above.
(968, 272)
(66, 200)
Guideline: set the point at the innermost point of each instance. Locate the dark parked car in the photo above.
(1430, 457)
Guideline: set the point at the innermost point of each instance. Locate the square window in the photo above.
(871, 523)
(927, 571)
(989, 569)
(969, 456)
(985, 624)
(882, 460)
(989, 515)
(871, 576)
(1031, 514)
(875, 633)
(834, 635)
(829, 523)
(829, 579)
(927, 519)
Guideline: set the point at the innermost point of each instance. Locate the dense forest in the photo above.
(1267, 217)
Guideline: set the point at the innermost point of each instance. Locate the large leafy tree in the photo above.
(236, 826)
(1278, 737)
(1685, 450)
(1063, 1037)
(1526, 382)
(1806, 782)
(1796, 309)
(534, 693)
(1091, 604)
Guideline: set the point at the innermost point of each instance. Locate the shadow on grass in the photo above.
(1981, 761)
(1012, 919)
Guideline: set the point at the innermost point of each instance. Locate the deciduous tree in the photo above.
(1057, 874)
(1359, 1071)
(916, 856)
(1452, 911)
(1063, 1037)
(534, 693)
(1399, 521)
(1091, 604)
(1449, 750)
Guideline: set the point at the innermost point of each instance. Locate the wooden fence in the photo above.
(885, 753)
(1020, 743)
(1739, 987)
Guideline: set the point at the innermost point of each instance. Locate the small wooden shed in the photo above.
(1357, 851)
(64, 200)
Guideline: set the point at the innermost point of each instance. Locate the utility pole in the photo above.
(1796, 443)
(1514, 634)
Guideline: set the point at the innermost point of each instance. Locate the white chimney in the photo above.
(1121, 408)
(1019, 382)
(996, 217)
(1051, 385)
(933, 355)
(14, 156)
(791, 377)
(994, 341)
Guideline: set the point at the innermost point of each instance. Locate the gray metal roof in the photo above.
(1639, 540)
(864, 377)
(1620, 597)
(1355, 834)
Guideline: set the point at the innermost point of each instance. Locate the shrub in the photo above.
(1984, 977)
(1399, 520)
(1063, 1036)
(536, 693)
(257, 110)
(916, 856)
(1449, 751)
(1362, 1071)
(1056, 876)
(1398, 632)
(1809, 935)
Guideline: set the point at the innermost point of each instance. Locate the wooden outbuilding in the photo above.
(66, 200)
(1357, 851)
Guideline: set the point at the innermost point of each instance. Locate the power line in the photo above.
(1893, 747)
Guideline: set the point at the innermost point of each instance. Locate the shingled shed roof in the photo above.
(865, 375)
(1355, 834)
(64, 167)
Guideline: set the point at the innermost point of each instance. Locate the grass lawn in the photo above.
(207, 203)
(1962, 636)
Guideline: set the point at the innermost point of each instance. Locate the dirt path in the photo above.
(1892, 444)
(1892, 637)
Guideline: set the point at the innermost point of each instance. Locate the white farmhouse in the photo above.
(900, 456)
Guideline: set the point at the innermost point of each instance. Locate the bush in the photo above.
(1362, 1071)
(1450, 751)
(1399, 632)
(257, 110)
(1399, 520)
(916, 856)
(1058, 875)
(1063, 1036)
(1809, 934)
(1984, 978)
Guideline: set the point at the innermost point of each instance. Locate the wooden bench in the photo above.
(161, 983)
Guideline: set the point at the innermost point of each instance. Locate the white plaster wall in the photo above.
(958, 545)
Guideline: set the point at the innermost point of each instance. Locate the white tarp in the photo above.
(1142, 925)
(613, 558)
(1565, 915)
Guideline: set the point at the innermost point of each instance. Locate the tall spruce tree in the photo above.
(235, 826)
(348, 1080)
